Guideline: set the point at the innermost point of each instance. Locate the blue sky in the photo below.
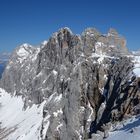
(33, 21)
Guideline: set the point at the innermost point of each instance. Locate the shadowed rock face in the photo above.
(75, 75)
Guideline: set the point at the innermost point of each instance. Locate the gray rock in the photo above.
(96, 137)
(70, 74)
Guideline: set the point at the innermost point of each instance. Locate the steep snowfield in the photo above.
(17, 124)
(129, 131)
(26, 52)
(137, 66)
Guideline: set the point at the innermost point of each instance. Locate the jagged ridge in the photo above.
(79, 77)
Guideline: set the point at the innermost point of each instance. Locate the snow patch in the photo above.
(58, 98)
(59, 126)
(91, 113)
(45, 129)
(55, 72)
(137, 72)
(137, 66)
(130, 130)
(24, 124)
(22, 52)
(58, 112)
(44, 42)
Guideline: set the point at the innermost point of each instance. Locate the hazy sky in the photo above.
(33, 21)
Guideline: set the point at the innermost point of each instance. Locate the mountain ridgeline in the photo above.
(86, 81)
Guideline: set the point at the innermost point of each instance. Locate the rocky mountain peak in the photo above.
(90, 41)
(23, 53)
(112, 32)
(84, 82)
(91, 32)
(65, 31)
(24, 48)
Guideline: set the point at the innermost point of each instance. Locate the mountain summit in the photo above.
(79, 85)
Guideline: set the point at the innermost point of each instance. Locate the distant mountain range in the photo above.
(2, 66)
(4, 57)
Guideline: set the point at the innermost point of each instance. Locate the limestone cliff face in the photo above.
(77, 77)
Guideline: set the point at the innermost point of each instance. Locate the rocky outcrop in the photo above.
(79, 77)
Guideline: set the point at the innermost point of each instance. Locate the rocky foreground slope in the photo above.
(86, 84)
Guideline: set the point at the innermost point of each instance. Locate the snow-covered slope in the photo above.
(130, 130)
(137, 65)
(16, 123)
